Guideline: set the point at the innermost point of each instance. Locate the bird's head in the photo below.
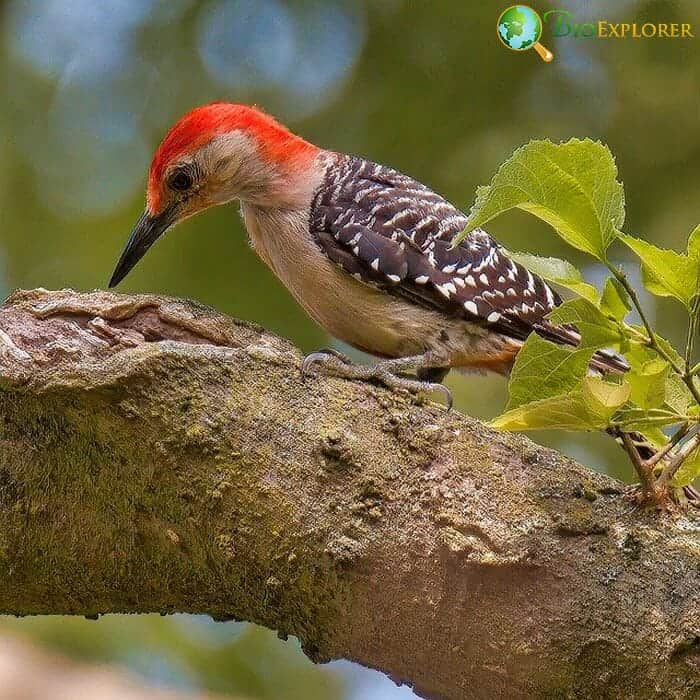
(214, 154)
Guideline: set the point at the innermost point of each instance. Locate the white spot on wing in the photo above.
(530, 281)
(550, 296)
(446, 289)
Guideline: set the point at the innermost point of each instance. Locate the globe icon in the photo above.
(520, 28)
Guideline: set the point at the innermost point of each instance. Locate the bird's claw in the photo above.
(447, 394)
(416, 386)
(324, 356)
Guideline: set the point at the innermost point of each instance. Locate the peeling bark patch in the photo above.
(144, 326)
(49, 328)
(471, 534)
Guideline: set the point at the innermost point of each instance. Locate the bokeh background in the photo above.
(89, 88)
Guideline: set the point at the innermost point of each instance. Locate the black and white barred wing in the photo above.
(390, 231)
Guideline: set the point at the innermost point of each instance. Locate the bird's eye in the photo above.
(180, 181)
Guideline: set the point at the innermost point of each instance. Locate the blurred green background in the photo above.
(89, 88)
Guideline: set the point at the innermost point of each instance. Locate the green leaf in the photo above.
(655, 436)
(689, 470)
(648, 383)
(694, 254)
(567, 412)
(677, 396)
(604, 398)
(559, 272)
(596, 330)
(667, 273)
(640, 420)
(638, 355)
(694, 243)
(665, 345)
(544, 369)
(572, 186)
(670, 350)
(588, 408)
(648, 376)
(615, 301)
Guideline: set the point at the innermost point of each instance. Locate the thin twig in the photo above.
(692, 332)
(662, 452)
(653, 341)
(674, 464)
(621, 277)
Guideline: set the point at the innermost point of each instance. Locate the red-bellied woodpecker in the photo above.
(364, 249)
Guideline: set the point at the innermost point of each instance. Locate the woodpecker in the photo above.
(364, 249)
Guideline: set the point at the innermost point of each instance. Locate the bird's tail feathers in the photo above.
(608, 361)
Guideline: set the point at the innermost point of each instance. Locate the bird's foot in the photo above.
(386, 372)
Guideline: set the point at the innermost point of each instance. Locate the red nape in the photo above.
(203, 123)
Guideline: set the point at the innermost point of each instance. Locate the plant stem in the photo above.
(677, 460)
(645, 473)
(653, 341)
(621, 277)
(690, 340)
(675, 439)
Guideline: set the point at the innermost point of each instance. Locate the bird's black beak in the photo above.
(147, 231)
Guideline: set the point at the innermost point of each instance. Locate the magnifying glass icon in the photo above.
(519, 28)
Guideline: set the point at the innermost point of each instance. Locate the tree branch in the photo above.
(156, 456)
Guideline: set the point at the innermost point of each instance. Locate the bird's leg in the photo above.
(430, 369)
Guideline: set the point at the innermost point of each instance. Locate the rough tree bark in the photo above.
(157, 456)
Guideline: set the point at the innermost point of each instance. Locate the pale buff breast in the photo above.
(354, 312)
